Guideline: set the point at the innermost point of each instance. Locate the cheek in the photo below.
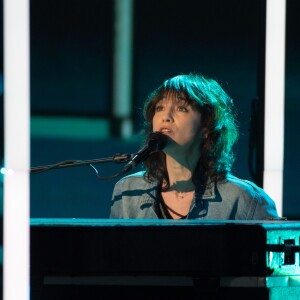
(154, 124)
(194, 133)
(195, 126)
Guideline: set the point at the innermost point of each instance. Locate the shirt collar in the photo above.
(209, 192)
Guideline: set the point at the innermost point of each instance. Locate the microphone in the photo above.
(156, 141)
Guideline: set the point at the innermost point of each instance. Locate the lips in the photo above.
(165, 130)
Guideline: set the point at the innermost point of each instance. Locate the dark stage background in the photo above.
(71, 83)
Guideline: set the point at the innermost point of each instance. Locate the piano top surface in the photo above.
(77, 222)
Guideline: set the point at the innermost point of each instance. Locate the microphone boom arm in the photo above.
(118, 158)
(156, 141)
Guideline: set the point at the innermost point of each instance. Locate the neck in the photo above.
(180, 174)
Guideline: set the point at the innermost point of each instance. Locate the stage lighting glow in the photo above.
(16, 150)
(274, 100)
(5, 171)
(122, 80)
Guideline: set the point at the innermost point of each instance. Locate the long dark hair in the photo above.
(218, 121)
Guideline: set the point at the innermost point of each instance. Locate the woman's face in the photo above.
(178, 120)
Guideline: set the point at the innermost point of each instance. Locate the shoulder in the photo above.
(241, 186)
(250, 196)
(133, 197)
(134, 185)
(134, 181)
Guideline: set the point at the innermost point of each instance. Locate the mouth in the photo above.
(165, 130)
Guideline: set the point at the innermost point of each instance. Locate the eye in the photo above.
(182, 108)
(158, 108)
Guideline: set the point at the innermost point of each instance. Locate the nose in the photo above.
(168, 115)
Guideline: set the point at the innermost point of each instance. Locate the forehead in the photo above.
(176, 97)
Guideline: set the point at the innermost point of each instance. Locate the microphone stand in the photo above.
(118, 158)
(155, 142)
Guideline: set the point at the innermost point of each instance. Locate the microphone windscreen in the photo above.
(156, 141)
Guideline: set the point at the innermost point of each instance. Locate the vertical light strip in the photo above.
(274, 100)
(17, 153)
(122, 78)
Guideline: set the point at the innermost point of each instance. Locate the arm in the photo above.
(117, 210)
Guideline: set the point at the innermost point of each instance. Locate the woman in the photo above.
(190, 178)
